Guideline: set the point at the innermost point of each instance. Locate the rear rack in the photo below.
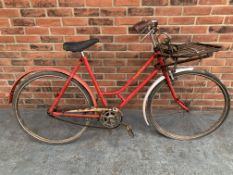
(189, 50)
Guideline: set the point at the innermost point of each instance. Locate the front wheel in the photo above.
(35, 95)
(205, 96)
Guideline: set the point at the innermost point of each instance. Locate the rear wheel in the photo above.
(34, 96)
(205, 96)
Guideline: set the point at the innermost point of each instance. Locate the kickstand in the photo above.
(129, 129)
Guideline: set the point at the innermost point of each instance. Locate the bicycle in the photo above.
(56, 106)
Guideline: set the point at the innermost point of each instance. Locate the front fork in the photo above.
(169, 78)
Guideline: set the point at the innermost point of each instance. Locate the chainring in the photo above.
(111, 118)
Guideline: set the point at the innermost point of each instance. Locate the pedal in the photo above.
(129, 129)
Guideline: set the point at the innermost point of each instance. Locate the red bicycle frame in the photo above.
(124, 100)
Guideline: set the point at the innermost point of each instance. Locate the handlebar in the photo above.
(151, 29)
(141, 26)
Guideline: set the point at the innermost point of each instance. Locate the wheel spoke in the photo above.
(33, 99)
(192, 88)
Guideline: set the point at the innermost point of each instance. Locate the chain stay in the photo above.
(93, 109)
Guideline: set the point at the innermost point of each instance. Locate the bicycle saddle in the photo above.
(79, 46)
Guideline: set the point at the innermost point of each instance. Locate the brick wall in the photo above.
(32, 33)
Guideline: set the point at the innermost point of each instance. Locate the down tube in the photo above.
(141, 85)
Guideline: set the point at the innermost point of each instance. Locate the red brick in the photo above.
(6, 39)
(41, 47)
(17, 3)
(194, 29)
(154, 2)
(102, 54)
(115, 76)
(62, 31)
(212, 2)
(229, 20)
(226, 38)
(197, 10)
(75, 21)
(209, 20)
(222, 69)
(99, 3)
(113, 12)
(115, 47)
(229, 62)
(59, 12)
(43, 54)
(222, 10)
(9, 54)
(181, 38)
(76, 38)
(9, 12)
(127, 3)
(213, 62)
(127, 39)
(205, 38)
(126, 20)
(51, 39)
(86, 12)
(224, 54)
(221, 29)
(100, 21)
(23, 22)
(227, 76)
(168, 11)
(181, 20)
(12, 31)
(44, 3)
(47, 22)
(4, 22)
(32, 12)
(140, 11)
(14, 69)
(37, 30)
(27, 39)
(103, 38)
(88, 30)
(114, 30)
(140, 47)
(17, 47)
(71, 3)
(183, 2)
(4, 62)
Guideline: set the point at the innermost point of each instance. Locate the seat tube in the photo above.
(67, 83)
(88, 67)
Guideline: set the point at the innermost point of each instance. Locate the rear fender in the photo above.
(67, 72)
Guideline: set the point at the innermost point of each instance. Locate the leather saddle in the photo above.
(79, 46)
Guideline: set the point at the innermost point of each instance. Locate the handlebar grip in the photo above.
(140, 26)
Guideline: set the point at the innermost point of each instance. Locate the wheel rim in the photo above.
(205, 99)
(33, 99)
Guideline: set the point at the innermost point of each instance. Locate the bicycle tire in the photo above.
(26, 83)
(168, 128)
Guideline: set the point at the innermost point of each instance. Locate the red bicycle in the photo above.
(56, 106)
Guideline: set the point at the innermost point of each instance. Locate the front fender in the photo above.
(67, 72)
(156, 82)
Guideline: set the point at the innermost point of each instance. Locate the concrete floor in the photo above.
(115, 153)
